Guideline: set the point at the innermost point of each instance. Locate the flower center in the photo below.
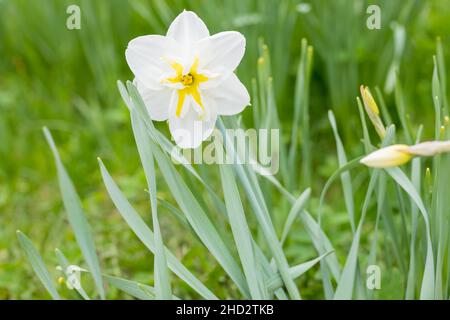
(190, 81)
(187, 79)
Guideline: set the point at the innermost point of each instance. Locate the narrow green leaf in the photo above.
(415, 179)
(436, 95)
(38, 264)
(296, 271)
(346, 179)
(298, 206)
(77, 218)
(344, 289)
(321, 242)
(428, 285)
(241, 231)
(401, 109)
(161, 271)
(134, 289)
(198, 219)
(384, 110)
(144, 233)
(259, 208)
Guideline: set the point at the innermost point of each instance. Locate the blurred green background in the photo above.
(66, 80)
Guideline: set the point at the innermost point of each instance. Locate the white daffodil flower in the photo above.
(187, 77)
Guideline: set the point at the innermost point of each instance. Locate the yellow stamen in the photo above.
(190, 81)
(187, 79)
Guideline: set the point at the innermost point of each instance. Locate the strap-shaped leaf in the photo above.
(77, 219)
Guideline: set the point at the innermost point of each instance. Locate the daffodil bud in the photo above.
(369, 101)
(372, 111)
(388, 157)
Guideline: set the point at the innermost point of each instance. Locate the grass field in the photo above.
(66, 80)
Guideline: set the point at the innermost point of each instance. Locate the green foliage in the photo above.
(224, 231)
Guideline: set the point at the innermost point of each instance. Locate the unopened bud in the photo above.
(388, 157)
(372, 111)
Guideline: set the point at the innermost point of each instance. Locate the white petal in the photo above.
(187, 28)
(189, 131)
(148, 58)
(209, 124)
(214, 78)
(157, 102)
(222, 51)
(230, 98)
